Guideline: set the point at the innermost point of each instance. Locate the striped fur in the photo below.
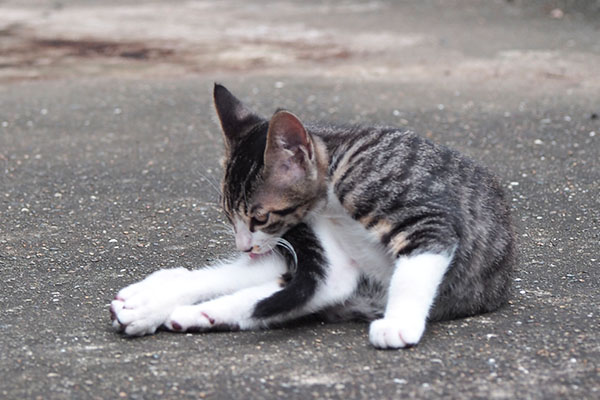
(412, 196)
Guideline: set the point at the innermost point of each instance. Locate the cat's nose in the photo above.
(244, 247)
(243, 242)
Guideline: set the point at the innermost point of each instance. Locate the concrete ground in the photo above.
(109, 156)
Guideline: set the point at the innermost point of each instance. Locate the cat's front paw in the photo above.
(392, 333)
(141, 308)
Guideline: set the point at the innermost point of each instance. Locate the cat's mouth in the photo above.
(256, 256)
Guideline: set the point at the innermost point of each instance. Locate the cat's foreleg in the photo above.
(238, 310)
(139, 309)
(411, 293)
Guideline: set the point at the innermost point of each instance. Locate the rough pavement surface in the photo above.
(109, 158)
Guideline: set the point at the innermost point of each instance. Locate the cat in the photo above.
(372, 223)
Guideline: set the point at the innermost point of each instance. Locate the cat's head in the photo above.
(274, 172)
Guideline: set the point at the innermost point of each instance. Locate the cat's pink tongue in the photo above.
(255, 256)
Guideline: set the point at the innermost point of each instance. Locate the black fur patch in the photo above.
(245, 164)
(304, 277)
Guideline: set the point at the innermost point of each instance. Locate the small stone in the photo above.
(557, 13)
(523, 369)
(592, 133)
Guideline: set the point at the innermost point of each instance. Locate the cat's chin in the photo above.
(256, 256)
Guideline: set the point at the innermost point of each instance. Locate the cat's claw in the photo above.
(141, 308)
(391, 333)
(133, 322)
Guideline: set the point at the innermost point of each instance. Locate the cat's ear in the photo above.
(289, 153)
(236, 119)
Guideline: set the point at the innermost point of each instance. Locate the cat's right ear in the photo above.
(236, 119)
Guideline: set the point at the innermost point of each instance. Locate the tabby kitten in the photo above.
(373, 223)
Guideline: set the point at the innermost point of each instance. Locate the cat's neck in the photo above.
(321, 157)
(327, 206)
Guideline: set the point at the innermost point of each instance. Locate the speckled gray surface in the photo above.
(104, 180)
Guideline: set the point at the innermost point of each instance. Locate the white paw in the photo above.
(393, 333)
(189, 318)
(139, 309)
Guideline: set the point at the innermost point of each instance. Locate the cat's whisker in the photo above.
(228, 228)
(288, 246)
(213, 183)
(223, 232)
(225, 224)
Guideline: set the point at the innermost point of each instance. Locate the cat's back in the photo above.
(395, 168)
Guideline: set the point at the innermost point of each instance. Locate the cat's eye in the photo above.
(260, 218)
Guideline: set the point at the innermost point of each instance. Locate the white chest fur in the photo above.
(348, 244)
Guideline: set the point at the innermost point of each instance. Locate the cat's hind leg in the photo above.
(411, 293)
(230, 312)
(141, 308)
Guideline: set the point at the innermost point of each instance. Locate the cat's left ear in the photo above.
(290, 151)
(236, 119)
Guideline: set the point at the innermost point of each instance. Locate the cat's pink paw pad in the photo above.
(176, 327)
(210, 320)
(189, 318)
(113, 314)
